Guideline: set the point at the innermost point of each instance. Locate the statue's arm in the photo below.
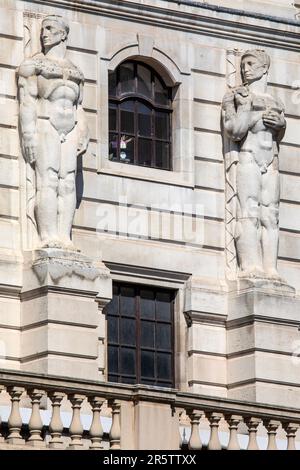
(236, 119)
(83, 129)
(28, 93)
(282, 130)
(276, 121)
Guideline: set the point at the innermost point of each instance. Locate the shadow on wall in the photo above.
(79, 182)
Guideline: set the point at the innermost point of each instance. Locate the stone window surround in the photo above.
(119, 319)
(176, 76)
(166, 280)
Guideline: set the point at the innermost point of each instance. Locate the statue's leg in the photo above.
(47, 166)
(270, 219)
(248, 216)
(67, 188)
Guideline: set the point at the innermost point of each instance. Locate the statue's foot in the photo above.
(252, 273)
(273, 275)
(257, 273)
(51, 243)
(68, 245)
(58, 243)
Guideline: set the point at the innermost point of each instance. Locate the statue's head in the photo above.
(54, 31)
(254, 64)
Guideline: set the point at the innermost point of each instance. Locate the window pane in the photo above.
(147, 304)
(126, 149)
(127, 301)
(140, 344)
(127, 331)
(113, 364)
(127, 77)
(112, 117)
(145, 152)
(163, 336)
(127, 361)
(168, 384)
(144, 81)
(147, 334)
(162, 125)
(144, 120)
(164, 366)
(112, 307)
(127, 117)
(160, 93)
(150, 381)
(162, 158)
(113, 378)
(163, 305)
(112, 83)
(112, 329)
(128, 380)
(147, 364)
(113, 146)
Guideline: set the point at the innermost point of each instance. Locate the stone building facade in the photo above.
(152, 216)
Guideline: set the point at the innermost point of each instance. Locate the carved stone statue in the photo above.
(254, 124)
(53, 132)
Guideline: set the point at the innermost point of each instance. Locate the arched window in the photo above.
(139, 116)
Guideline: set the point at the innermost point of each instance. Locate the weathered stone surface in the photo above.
(158, 227)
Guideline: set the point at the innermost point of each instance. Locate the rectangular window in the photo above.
(140, 332)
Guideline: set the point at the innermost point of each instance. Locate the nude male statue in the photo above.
(53, 131)
(254, 121)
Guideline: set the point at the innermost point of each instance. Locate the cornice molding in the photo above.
(235, 11)
(211, 21)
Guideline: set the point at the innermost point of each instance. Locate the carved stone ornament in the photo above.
(53, 132)
(253, 126)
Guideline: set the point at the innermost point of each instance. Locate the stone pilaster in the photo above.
(205, 313)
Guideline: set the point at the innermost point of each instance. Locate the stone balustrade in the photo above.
(195, 414)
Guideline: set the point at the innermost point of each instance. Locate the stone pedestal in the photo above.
(148, 425)
(263, 343)
(61, 301)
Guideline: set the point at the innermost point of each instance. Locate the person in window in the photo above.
(123, 147)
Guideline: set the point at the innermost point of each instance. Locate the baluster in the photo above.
(177, 412)
(115, 430)
(76, 429)
(56, 426)
(252, 424)
(291, 429)
(233, 423)
(214, 441)
(96, 431)
(15, 420)
(271, 426)
(1, 436)
(35, 423)
(195, 440)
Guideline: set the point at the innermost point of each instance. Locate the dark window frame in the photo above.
(117, 99)
(117, 374)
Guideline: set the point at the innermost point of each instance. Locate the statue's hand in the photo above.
(29, 143)
(241, 96)
(82, 145)
(274, 120)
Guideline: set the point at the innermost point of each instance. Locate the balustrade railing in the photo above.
(201, 414)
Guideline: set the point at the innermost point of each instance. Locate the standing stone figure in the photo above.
(254, 123)
(53, 132)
